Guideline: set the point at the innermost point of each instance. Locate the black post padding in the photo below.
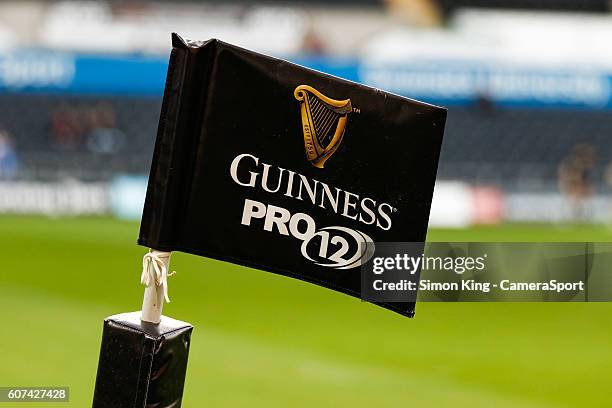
(142, 364)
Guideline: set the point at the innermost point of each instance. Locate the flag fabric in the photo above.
(268, 164)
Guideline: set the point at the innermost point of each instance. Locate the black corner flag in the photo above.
(268, 164)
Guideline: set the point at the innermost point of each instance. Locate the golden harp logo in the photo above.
(323, 122)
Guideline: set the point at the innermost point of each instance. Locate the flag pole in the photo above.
(143, 356)
(155, 279)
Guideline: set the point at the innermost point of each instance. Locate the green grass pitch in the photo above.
(269, 341)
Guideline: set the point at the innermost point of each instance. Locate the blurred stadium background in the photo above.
(526, 156)
(529, 92)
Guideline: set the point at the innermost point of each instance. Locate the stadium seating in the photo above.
(506, 147)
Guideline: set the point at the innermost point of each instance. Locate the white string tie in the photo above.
(154, 269)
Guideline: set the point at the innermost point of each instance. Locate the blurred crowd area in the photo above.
(528, 84)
